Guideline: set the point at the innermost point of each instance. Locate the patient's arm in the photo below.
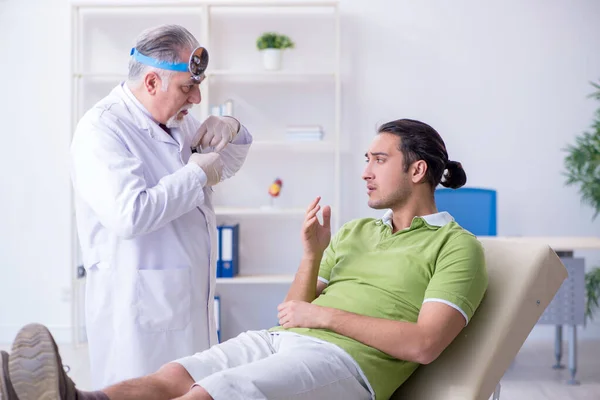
(422, 342)
(305, 286)
(315, 239)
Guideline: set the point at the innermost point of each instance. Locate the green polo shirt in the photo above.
(372, 271)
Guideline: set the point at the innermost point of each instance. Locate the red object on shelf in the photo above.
(275, 188)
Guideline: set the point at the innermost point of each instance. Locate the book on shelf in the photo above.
(304, 132)
(224, 109)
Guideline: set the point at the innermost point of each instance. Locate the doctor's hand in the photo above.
(211, 164)
(316, 236)
(300, 314)
(216, 132)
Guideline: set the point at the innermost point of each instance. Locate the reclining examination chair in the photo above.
(523, 279)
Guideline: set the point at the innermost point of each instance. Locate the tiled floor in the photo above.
(532, 378)
(529, 378)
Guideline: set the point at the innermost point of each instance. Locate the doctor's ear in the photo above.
(152, 82)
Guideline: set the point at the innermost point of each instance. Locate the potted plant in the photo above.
(271, 44)
(583, 169)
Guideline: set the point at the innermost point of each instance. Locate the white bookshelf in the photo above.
(258, 211)
(293, 147)
(306, 91)
(272, 74)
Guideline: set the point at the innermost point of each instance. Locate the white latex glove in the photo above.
(211, 164)
(216, 132)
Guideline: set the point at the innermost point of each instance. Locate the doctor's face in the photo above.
(181, 94)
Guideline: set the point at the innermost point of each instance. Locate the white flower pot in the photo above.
(271, 59)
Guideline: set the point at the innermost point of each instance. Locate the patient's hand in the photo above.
(300, 314)
(316, 236)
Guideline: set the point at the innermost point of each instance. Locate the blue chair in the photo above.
(473, 208)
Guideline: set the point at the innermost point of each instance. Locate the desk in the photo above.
(568, 305)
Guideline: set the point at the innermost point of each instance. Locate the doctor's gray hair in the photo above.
(163, 43)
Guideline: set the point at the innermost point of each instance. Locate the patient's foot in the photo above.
(7, 392)
(36, 370)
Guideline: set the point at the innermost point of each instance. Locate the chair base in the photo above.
(496, 395)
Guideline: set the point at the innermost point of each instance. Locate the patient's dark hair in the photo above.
(419, 141)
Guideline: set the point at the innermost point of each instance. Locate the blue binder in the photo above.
(218, 317)
(227, 251)
(219, 267)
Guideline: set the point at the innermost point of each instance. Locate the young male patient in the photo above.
(365, 309)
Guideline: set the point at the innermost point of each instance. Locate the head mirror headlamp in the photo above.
(196, 65)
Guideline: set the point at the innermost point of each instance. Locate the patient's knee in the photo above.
(174, 378)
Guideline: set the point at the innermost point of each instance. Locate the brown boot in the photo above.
(7, 392)
(36, 370)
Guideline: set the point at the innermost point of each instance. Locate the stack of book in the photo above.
(304, 133)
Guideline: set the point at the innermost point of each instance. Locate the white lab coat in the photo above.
(147, 232)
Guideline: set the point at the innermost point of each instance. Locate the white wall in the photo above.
(504, 82)
(35, 205)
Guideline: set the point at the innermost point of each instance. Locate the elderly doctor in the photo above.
(144, 214)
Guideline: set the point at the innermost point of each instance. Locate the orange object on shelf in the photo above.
(275, 187)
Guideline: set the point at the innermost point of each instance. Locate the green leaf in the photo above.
(274, 40)
(582, 162)
(592, 292)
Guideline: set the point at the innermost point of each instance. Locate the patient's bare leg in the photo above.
(169, 382)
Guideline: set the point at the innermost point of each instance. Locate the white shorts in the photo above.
(277, 365)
